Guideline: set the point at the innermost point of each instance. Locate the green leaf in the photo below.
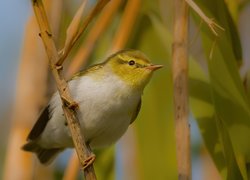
(203, 110)
(230, 101)
(213, 131)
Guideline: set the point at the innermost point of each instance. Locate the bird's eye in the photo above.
(131, 62)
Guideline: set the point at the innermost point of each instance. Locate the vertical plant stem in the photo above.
(96, 31)
(180, 80)
(98, 7)
(29, 97)
(127, 22)
(72, 169)
(71, 116)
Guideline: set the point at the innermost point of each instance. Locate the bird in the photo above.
(109, 98)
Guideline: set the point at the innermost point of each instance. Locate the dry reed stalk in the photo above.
(65, 51)
(72, 169)
(101, 24)
(126, 25)
(180, 80)
(54, 11)
(74, 27)
(68, 104)
(54, 16)
(30, 91)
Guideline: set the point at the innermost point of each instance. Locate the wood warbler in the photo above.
(109, 98)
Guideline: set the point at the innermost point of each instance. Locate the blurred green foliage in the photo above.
(218, 100)
(226, 122)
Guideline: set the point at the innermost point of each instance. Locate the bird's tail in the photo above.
(45, 156)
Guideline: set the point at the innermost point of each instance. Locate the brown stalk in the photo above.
(98, 7)
(68, 103)
(72, 169)
(126, 25)
(180, 80)
(96, 31)
(29, 97)
(31, 89)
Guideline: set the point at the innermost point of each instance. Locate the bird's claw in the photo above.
(59, 67)
(73, 105)
(70, 104)
(89, 161)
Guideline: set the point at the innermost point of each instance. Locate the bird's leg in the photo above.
(58, 67)
(71, 104)
(90, 159)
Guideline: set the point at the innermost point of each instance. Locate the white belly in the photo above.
(105, 112)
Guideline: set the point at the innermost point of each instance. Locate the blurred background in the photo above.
(14, 15)
(147, 150)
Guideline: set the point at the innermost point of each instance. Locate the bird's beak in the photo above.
(153, 67)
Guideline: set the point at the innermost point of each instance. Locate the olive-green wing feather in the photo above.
(93, 68)
(135, 114)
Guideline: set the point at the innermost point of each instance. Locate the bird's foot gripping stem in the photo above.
(71, 104)
(89, 161)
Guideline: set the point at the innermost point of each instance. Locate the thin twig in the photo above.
(96, 31)
(98, 7)
(82, 150)
(74, 26)
(180, 80)
(210, 22)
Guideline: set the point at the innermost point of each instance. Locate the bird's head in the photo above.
(132, 66)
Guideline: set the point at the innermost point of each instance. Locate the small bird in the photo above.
(109, 98)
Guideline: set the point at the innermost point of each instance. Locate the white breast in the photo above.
(106, 108)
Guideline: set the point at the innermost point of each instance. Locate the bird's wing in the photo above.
(135, 114)
(40, 124)
(84, 72)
